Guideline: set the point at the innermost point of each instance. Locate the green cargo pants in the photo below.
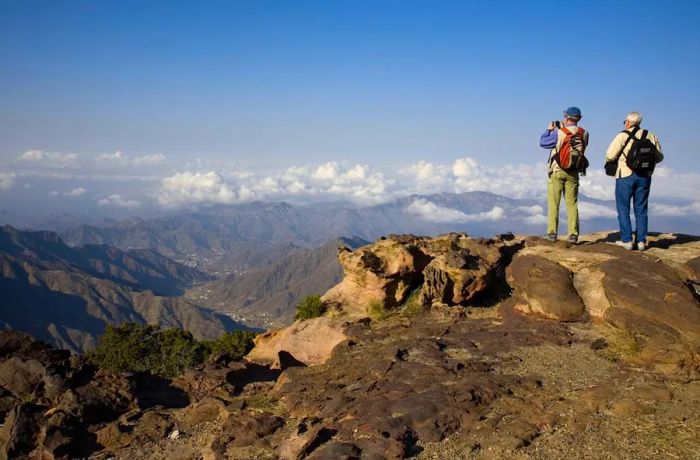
(566, 183)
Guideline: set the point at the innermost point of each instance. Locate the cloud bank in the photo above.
(431, 212)
(127, 181)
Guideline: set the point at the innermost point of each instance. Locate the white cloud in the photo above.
(425, 177)
(465, 167)
(536, 219)
(76, 192)
(588, 210)
(675, 211)
(429, 211)
(119, 159)
(119, 201)
(148, 160)
(116, 157)
(534, 214)
(357, 183)
(531, 210)
(48, 159)
(7, 180)
(195, 188)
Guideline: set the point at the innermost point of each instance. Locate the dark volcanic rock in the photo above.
(248, 429)
(398, 385)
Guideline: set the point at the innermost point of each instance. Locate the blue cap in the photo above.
(573, 112)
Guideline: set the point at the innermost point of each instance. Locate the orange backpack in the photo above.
(570, 157)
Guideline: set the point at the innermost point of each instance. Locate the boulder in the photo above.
(544, 288)
(653, 305)
(307, 341)
(463, 268)
(21, 377)
(645, 297)
(19, 433)
(383, 273)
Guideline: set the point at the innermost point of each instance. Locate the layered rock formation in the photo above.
(452, 269)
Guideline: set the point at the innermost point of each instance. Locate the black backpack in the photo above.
(642, 155)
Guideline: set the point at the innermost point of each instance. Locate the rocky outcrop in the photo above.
(56, 398)
(582, 360)
(383, 273)
(643, 296)
(453, 269)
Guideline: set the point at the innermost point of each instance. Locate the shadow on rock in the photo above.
(250, 373)
(151, 390)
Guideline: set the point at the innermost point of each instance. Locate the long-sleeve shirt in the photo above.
(615, 151)
(553, 139)
(548, 139)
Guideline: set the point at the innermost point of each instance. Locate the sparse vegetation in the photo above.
(133, 347)
(309, 307)
(377, 310)
(235, 344)
(621, 346)
(412, 306)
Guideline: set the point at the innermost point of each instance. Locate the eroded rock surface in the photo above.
(544, 288)
(452, 269)
(645, 296)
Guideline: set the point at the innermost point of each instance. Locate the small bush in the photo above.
(377, 310)
(235, 344)
(133, 347)
(309, 307)
(412, 306)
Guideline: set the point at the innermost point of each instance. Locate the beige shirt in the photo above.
(615, 151)
(553, 166)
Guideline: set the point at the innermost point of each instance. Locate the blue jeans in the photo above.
(635, 188)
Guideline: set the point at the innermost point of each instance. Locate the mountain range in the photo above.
(265, 296)
(210, 235)
(67, 295)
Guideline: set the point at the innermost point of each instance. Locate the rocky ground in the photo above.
(434, 348)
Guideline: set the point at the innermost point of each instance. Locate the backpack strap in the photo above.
(631, 135)
(644, 134)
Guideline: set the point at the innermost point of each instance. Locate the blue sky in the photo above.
(266, 85)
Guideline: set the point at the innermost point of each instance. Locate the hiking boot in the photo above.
(641, 246)
(573, 239)
(627, 245)
(552, 237)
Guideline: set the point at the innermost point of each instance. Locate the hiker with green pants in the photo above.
(567, 142)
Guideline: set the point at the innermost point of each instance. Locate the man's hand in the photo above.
(551, 126)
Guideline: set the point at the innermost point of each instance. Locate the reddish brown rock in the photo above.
(652, 304)
(544, 288)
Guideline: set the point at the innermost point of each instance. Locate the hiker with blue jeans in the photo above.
(564, 138)
(631, 158)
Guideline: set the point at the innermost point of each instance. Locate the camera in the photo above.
(557, 123)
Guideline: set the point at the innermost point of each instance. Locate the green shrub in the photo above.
(412, 306)
(235, 344)
(309, 307)
(133, 347)
(377, 310)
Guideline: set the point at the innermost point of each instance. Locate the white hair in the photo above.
(635, 118)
